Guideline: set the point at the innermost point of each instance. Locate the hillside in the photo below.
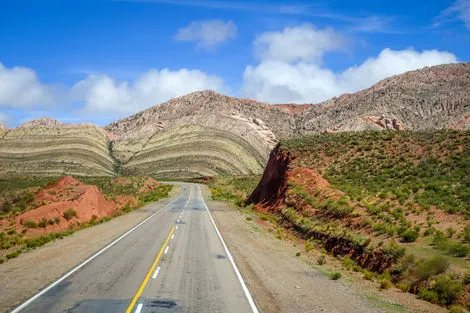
(392, 202)
(205, 133)
(48, 147)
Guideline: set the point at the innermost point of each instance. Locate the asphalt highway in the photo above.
(174, 261)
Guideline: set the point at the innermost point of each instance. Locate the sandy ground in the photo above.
(24, 276)
(282, 282)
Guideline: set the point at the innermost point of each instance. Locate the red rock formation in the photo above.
(273, 185)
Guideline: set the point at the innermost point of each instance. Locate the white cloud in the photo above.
(302, 43)
(103, 94)
(298, 75)
(207, 34)
(460, 9)
(20, 87)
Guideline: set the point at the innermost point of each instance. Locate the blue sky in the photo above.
(101, 60)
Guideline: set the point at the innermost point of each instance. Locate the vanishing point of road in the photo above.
(174, 261)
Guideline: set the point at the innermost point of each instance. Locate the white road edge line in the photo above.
(156, 272)
(33, 298)
(166, 249)
(235, 268)
(139, 308)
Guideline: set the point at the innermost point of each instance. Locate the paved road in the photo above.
(175, 261)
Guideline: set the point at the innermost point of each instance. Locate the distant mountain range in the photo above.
(205, 133)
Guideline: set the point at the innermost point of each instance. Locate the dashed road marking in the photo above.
(166, 250)
(146, 279)
(156, 272)
(172, 236)
(139, 308)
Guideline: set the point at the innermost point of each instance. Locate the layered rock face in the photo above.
(47, 147)
(200, 134)
(205, 133)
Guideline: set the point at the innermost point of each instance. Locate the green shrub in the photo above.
(429, 231)
(30, 224)
(357, 268)
(466, 233)
(321, 260)
(69, 214)
(335, 275)
(42, 223)
(2, 261)
(410, 236)
(13, 255)
(57, 220)
(385, 283)
(466, 278)
(348, 263)
(309, 245)
(393, 249)
(298, 254)
(428, 295)
(368, 275)
(249, 218)
(264, 217)
(457, 309)
(448, 289)
(240, 202)
(459, 249)
(430, 267)
(404, 286)
(450, 232)
(156, 194)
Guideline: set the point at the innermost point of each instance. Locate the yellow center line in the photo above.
(144, 283)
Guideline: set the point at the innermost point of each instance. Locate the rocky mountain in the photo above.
(430, 98)
(205, 133)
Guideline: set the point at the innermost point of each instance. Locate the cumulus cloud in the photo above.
(21, 88)
(299, 76)
(302, 43)
(207, 34)
(460, 9)
(102, 94)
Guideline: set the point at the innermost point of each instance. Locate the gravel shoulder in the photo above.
(32, 271)
(282, 282)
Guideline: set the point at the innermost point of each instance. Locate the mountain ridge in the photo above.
(205, 133)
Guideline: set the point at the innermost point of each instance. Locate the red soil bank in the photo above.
(66, 194)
